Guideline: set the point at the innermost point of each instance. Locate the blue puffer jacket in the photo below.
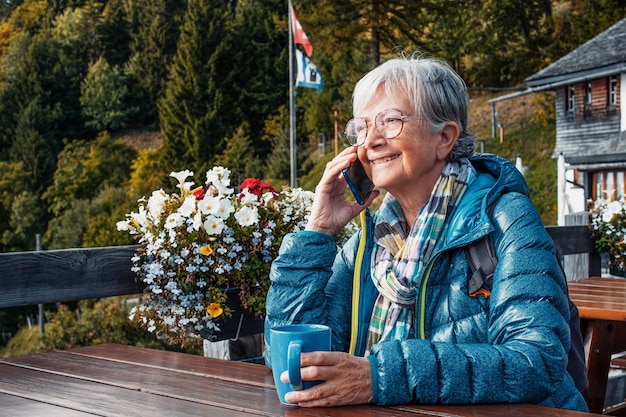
(509, 347)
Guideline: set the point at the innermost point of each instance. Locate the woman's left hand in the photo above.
(347, 380)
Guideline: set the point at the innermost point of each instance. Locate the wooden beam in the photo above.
(29, 278)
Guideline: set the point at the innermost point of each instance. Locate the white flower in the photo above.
(213, 225)
(225, 209)
(249, 198)
(173, 220)
(197, 221)
(188, 206)
(210, 204)
(267, 198)
(156, 202)
(219, 177)
(247, 216)
(122, 226)
(181, 176)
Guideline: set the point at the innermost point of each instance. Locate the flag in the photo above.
(308, 75)
(298, 34)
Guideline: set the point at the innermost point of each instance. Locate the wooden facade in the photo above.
(590, 84)
(589, 133)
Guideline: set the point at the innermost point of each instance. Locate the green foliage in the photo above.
(147, 174)
(99, 321)
(31, 16)
(33, 146)
(109, 207)
(104, 97)
(21, 214)
(86, 166)
(254, 68)
(239, 156)
(66, 230)
(154, 29)
(26, 220)
(114, 32)
(608, 228)
(90, 223)
(27, 340)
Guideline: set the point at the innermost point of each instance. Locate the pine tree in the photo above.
(190, 111)
(154, 31)
(239, 156)
(104, 97)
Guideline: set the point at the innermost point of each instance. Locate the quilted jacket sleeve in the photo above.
(524, 355)
(307, 288)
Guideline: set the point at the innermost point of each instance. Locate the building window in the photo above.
(611, 99)
(608, 185)
(571, 98)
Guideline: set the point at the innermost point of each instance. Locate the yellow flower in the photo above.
(206, 250)
(214, 310)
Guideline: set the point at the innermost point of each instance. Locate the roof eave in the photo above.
(549, 83)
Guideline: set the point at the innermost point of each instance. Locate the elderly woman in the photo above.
(405, 328)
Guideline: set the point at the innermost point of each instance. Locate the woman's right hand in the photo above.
(331, 211)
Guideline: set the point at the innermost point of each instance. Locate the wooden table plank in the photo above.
(96, 398)
(194, 364)
(599, 298)
(24, 407)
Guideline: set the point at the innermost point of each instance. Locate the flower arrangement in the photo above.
(204, 241)
(608, 227)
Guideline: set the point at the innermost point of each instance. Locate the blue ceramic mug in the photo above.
(286, 344)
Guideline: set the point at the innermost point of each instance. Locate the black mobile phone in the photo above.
(358, 181)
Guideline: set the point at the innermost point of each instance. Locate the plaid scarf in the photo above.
(401, 254)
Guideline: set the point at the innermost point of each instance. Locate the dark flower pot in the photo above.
(615, 271)
(241, 323)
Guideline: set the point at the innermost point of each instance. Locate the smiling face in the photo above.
(408, 165)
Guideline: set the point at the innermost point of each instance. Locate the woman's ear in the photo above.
(447, 138)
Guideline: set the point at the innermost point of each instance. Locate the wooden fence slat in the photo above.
(29, 278)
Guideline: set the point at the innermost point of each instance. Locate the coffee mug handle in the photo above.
(293, 365)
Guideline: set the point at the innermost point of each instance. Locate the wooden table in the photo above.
(117, 380)
(602, 306)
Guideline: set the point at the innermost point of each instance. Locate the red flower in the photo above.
(257, 187)
(198, 193)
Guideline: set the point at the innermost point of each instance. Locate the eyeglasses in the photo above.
(388, 123)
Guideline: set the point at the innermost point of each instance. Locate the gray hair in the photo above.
(435, 91)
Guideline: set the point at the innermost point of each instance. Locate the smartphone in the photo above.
(358, 181)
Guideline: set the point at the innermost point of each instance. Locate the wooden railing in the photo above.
(30, 278)
(576, 240)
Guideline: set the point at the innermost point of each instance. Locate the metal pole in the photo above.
(335, 111)
(494, 115)
(39, 306)
(292, 103)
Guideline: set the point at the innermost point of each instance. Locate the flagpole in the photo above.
(292, 102)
